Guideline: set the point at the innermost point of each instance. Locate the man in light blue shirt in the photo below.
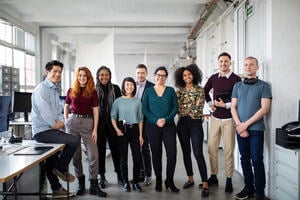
(47, 124)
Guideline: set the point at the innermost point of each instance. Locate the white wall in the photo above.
(125, 65)
(283, 47)
(271, 35)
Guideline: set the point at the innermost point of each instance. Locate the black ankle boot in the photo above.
(158, 185)
(127, 186)
(170, 184)
(95, 189)
(81, 186)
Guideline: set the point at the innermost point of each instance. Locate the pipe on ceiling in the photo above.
(203, 17)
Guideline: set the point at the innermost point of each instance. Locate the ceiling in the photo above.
(158, 27)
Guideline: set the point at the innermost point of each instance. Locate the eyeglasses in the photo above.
(161, 75)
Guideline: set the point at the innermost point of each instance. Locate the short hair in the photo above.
(224, 54)
(128, 79)
(194, 69)
(163, 68)
(252, 58)
(141, 66)
(52, 63)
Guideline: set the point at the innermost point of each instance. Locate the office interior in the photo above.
(121, 34)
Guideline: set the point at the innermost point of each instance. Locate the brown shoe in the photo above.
(66, 176)
(62, 193)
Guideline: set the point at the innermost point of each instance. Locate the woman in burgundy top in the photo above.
(83, 122)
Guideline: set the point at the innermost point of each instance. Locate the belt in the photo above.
(83, 116)
(130, 125)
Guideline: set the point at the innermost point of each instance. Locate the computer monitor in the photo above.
(21, 102)
(5, 102)
(62, 100)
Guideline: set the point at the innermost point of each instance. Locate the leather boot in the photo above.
(95, 189)
(81, 185)
(170, 184)
(158, 185)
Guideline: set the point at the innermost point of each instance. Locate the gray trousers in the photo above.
(83, 127)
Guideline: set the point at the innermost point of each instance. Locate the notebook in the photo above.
(226, 97)
(36, 150)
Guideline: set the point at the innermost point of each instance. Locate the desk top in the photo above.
(12, 165)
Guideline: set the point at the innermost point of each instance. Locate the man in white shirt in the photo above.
(142, 85)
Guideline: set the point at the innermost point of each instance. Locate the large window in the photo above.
(5, 31)
(17, 49)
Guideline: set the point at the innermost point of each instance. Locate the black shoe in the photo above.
(170, 184)
(188, 184)
(81, 186)
(205, 192)
(228, 187)
(120, 182)
(245, 194)
(211, 181)
(136, 187)
(95, 189)
(127, 187)
(102, 183)
(259, 196)
(158, 185)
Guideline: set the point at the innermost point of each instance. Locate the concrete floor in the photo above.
(116, 192)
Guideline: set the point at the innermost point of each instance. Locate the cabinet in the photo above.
(287, 179)
(9, 80)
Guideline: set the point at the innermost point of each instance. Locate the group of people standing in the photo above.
(141, 114)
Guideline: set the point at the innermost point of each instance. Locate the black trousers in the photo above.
(131, 137)
(145, 161)
(191, 131)
(167, 136)
(106, 132)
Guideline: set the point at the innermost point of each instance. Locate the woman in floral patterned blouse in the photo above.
(189, 128)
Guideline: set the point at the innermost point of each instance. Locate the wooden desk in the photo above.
(13, 166)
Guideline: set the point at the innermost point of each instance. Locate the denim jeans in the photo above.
(252, 147)
(59, 161)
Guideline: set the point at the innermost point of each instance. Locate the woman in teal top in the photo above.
(128, 110)
(160, 105)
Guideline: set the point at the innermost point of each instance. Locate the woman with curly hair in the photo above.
(189, 127)
(83, 123)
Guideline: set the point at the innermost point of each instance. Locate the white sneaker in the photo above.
(147, 181)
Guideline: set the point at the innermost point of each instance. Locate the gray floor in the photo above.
(116, 192)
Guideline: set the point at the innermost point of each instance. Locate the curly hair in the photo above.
(90, 85)
(194, 69)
